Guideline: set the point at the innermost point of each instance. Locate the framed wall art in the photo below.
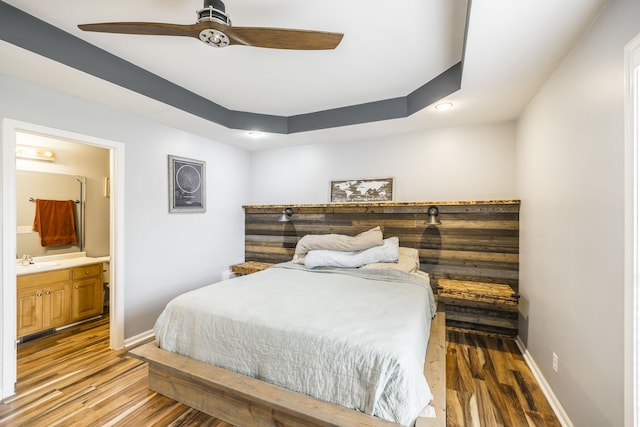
(187, 178)
(362, 190)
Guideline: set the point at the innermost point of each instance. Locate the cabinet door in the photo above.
(29, 311)
(57, 305)
(86, 299)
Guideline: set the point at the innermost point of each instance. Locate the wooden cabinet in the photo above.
(488, 307)
(44, 301)
(86, 300)
(249, 267)
(57, 303)
(29, 311)
(56, 298)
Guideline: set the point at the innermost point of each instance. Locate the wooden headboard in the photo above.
(477, 240)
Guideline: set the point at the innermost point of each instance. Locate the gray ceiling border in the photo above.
(30, 33)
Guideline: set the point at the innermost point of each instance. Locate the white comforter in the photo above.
(342, 338)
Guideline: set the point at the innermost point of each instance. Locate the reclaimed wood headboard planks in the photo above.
(477, 240)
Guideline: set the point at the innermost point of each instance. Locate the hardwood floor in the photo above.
(490, 384)
(71, 378)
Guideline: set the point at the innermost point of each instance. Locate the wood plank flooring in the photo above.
(71, 378)
(490, 384)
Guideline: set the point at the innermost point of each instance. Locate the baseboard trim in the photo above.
(562, 415)
(138, 339)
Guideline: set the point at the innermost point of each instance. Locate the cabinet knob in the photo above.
(48, 292)
(77, 287)
(87, 272)
(39, 294)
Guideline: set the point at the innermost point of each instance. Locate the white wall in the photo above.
(165, 254)
(466, 163)
(570, 158)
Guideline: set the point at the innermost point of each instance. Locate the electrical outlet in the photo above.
(25, 229)
(554, 363)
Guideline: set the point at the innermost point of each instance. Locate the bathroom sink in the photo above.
(37, 265)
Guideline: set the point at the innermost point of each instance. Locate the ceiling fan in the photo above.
(214, 28)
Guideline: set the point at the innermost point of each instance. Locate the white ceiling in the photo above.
(388, 50)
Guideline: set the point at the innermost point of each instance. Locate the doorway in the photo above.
(69, 171)
(10, 131)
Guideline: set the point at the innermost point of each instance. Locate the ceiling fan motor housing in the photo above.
(213, 10)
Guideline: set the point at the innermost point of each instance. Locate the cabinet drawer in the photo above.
(41, 279)
(86, 271)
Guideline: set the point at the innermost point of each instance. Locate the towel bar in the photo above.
(31, 199)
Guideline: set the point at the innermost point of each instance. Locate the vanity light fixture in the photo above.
(443, 106)
(433, 213)
(286, 215)
(35, 153)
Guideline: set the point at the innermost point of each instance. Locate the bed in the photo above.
(329, 342)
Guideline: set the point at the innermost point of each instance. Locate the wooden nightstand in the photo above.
(489, 307)
(249, 267)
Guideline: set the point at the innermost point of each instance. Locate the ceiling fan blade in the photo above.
(275, 38)
(144, 28)
(283, 38)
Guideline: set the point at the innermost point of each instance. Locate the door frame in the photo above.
(8, 345)
(632, 235)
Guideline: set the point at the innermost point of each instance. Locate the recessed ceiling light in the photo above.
(255, 134)
(443, 106)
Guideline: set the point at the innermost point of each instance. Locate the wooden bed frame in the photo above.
(245, 401)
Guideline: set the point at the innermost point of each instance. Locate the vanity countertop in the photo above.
(57, 262)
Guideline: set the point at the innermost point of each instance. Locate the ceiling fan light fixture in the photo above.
(214, 38)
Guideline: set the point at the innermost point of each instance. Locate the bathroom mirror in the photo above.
(32, 185)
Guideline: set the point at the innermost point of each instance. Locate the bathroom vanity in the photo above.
(58, 291)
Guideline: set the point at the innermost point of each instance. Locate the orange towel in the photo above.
(55, 221)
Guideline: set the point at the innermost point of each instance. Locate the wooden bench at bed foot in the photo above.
(487, 307)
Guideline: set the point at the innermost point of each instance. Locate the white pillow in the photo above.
(387, 252)
(408, 261)
(337, 242)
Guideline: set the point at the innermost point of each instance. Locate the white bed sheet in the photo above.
(342, 338)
